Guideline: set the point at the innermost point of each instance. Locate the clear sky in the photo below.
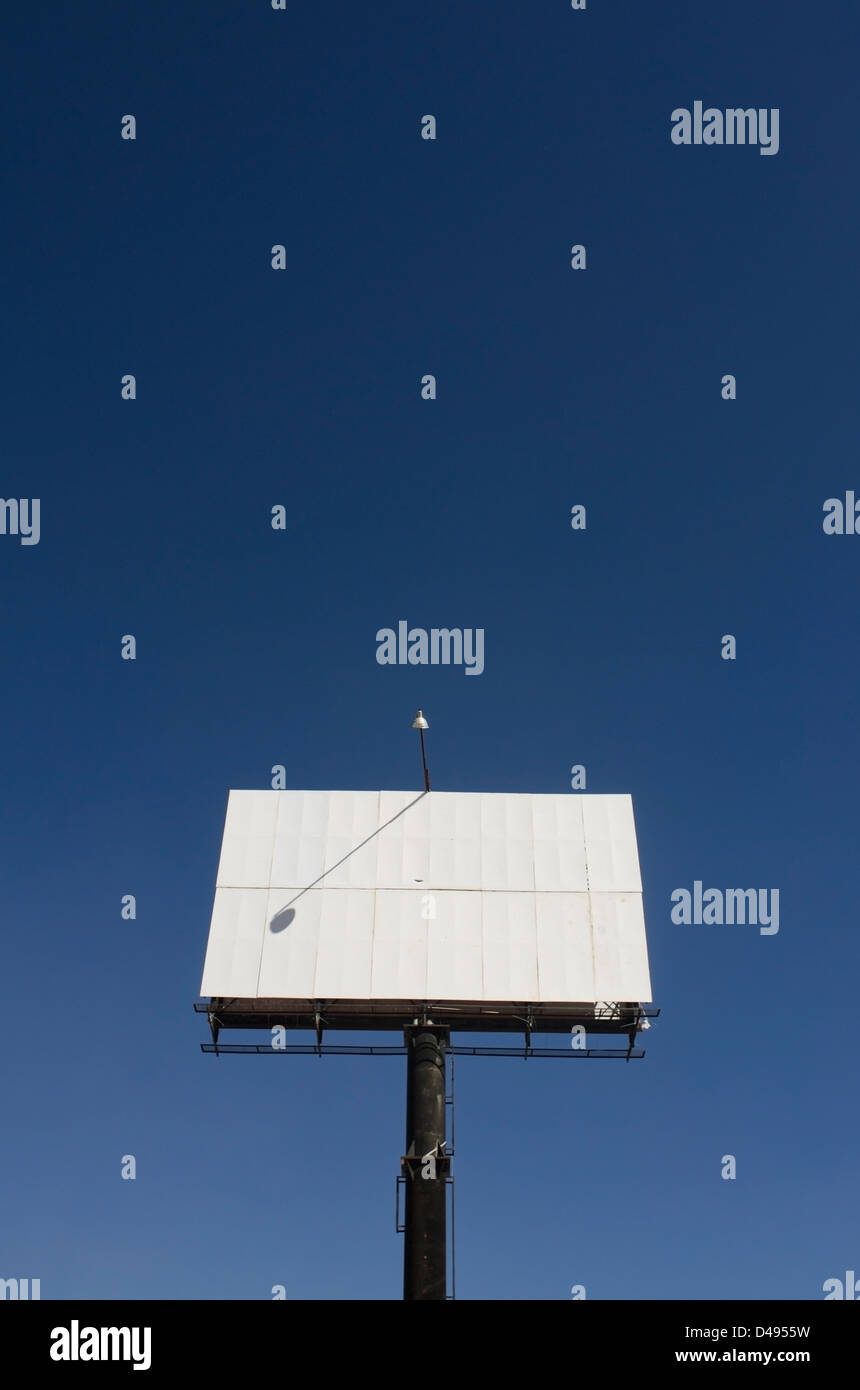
(256, 647)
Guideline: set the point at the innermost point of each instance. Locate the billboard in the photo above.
(368, 896)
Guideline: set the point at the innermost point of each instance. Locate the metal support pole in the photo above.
(424, 763)
(425, 1165)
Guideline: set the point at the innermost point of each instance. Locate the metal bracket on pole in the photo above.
(436, 1163)
(399, 1224)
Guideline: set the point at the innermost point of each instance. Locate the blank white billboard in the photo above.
(466, 896)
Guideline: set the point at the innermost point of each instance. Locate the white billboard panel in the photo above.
(465, 896)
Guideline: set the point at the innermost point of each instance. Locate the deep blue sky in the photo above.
(256, 647)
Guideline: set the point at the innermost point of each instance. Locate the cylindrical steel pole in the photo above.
(425, 1251)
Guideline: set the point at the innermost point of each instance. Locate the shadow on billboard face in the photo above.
(282, 919)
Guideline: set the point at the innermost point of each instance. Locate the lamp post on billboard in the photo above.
(420, 723)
